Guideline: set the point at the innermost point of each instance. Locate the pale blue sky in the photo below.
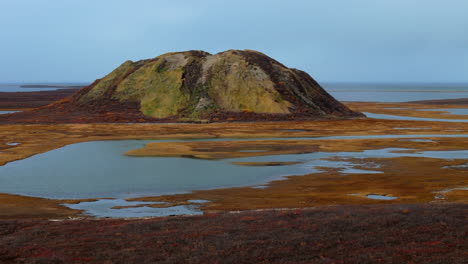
(333, 40)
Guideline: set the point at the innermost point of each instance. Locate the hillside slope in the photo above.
(196, 86)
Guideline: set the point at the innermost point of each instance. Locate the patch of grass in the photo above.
(164, 98)
(134, 87)
(234, 88)
(156, 88)
(110, 80)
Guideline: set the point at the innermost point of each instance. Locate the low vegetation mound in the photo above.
(195, 86)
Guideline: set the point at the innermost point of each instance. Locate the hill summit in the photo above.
(196, 86)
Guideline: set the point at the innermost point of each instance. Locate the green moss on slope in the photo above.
(109, 81)
(237, 86)
(156, 86)
(164, 98)
(195, 85)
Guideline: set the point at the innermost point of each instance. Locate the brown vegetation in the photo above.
(26, 100)
(403, 233)
(22, 207)
(410, 179)
(330, 187)
(458, 101)
(239, 149)
(386, 232)
(37, 138)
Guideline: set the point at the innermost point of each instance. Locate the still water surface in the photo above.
(100, 170)
(411, 118)
(16, 87)
(395, 92)
(7, 112)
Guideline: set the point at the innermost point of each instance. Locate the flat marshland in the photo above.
(387, 189)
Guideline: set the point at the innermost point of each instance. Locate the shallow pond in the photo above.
(100, 170)
(16, 87)
(7, 112)
(451, 111)
(380, 197)
(397, 117)
(104, 208)
(397, 92)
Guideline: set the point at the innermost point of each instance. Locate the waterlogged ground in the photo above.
(166, 173)
(370, 191)
(107, 169)
(365, 168)
(413, 156)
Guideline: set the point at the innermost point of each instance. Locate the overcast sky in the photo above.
(333, 40)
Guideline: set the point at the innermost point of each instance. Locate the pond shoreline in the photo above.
(37, 139)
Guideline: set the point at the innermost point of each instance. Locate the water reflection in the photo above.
(397, 117)
(99, 169)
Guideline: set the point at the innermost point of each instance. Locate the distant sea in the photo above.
(388, 92)
(366, 92)
(16, 87)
